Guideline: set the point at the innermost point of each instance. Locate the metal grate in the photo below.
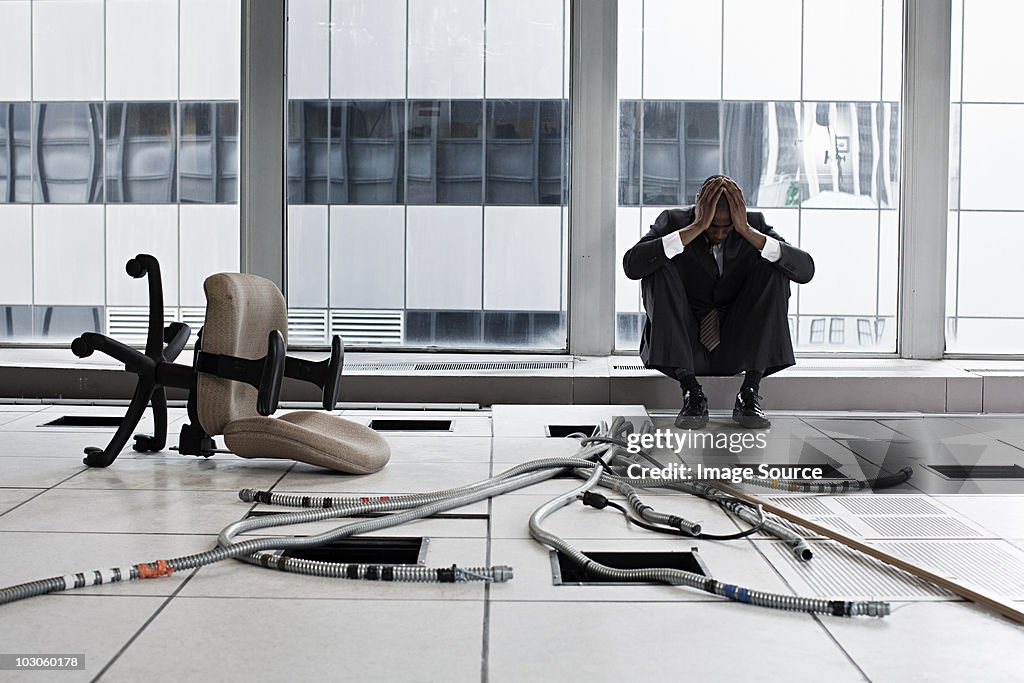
(628, 366)
(839, 572)
(920, 527)
(965, 472)
(807, 505)
(366, 328)
(830, 521)
(379, 367)
(307, 326)
(508, 365)
(130, 324)
(889, 505)
(993, 565)
(194, 317)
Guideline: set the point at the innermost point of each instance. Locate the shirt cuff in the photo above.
(772, 251)
(672, 244)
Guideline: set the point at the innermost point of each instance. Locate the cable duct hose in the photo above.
(591, 462)
(842, 608)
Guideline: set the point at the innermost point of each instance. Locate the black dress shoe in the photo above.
(694, 414)
(747, 411)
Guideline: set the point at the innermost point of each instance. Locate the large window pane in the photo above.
(445, 166)
(114, 113)
(814, 147)
(986, 219)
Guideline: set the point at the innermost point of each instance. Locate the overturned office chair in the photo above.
(234, 381)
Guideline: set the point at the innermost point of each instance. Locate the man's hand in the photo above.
(706, 201)
(738, 213)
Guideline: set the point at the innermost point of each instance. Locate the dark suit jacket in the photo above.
(696, 266)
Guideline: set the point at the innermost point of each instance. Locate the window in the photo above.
(427, 172)
(118, 135)
(986, 220)
(808, 126)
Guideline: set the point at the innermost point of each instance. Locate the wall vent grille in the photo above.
(128, 324)
(307, 327)
(368, 328)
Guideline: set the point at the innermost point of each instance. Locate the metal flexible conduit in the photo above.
(411, 507)
(251, 550)
(841, 608)
(769, 525)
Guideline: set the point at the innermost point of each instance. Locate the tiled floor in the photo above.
(232, 621)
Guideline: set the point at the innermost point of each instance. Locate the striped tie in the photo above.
(709, 330)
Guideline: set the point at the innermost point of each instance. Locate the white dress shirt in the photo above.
(673, 246)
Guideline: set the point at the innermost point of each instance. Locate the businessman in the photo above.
(715, 284)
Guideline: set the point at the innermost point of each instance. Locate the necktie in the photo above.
(709, 330)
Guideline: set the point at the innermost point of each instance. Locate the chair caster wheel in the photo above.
(143, 444)
(81, 348)
(90, 453)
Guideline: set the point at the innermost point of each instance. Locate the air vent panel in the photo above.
(368, 327)
(888, 505)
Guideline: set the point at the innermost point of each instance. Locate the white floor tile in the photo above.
(9, 498)
(399, 477)
(8, 416)
(136, 512)
(36, 472)
(851, 428)
(180, 474)
(1003, 515)
(307, 640)
(49, 444)
(96, 626)
(445, 527)
(513, 450)
(934, 641)
(417, 449)
(531, 420)
(659, 642)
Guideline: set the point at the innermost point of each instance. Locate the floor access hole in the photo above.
(366, 550)
(411, 425)
(965, 472)
(567, 573)
(85, 421)
(562, 431)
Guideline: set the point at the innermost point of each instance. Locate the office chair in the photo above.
(234, 382)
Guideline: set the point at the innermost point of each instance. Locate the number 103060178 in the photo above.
(38, 662)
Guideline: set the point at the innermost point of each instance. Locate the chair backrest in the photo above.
(241, 311)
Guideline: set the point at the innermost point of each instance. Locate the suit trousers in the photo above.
(754, 326)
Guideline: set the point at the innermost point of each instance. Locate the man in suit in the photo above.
(715, 283)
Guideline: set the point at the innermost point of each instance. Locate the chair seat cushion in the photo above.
(311, 437)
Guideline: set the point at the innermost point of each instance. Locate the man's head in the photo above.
(721, 223)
